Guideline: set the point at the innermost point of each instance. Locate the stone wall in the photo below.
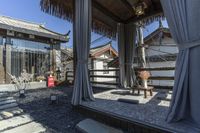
(31, 86)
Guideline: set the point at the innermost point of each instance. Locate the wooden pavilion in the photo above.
(106, 19)
(118, 19)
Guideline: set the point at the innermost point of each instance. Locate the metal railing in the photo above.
(95, 77)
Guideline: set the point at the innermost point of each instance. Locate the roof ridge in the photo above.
(25, 21)
(156, 31)
(52, 31)
(31, 28)
(100, 46)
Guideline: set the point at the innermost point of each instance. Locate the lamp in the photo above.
(22, 93)
(140, 8)
(54, 99)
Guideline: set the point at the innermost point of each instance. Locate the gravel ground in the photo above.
(152, 110)
(57, 118)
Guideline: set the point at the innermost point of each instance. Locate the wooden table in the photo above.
(139, 88)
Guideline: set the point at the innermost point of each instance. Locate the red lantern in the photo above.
(51, 81)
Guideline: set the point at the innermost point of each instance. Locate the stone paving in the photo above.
(14, 120)
(92, 126)
(36, 114)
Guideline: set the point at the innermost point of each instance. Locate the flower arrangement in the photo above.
(21, 82)
(144, 75)
(40, 78)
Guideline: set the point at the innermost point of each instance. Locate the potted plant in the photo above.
(21, 82)
(144, 75)
(40, 78)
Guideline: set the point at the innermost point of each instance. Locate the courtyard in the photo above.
(53, 118)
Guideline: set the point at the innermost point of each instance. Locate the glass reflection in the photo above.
(34, 57)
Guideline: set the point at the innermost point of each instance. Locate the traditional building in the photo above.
(27, 46)
(98, 60)
(161, 51)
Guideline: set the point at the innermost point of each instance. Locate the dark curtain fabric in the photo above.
(183, 19)
(126, 48)
(82, 88)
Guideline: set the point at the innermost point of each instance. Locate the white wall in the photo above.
(162, 73)
(98, 64)
(167, 46)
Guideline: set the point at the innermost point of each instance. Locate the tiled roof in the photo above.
(97, 49)
(93, 51)
(157, 32)
(29, 28)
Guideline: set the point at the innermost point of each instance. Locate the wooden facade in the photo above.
(26, 46)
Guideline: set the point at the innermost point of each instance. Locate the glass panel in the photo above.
(31, 56)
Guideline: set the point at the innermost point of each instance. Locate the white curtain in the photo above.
(82, 88)
(126, 48)
(183, 17)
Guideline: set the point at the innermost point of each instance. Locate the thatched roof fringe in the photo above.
(64, 9)
(152, 19)
(57, 8)
(103, 29)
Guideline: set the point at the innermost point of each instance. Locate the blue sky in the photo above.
(30, 10)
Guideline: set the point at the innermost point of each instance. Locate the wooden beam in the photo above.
(103, 76)
(103, 83)
(128, 5)
(146, 16)
(74, 43)
(105, 11)
(155, 69)
(161, 87)
(161, 78)
(103, 70)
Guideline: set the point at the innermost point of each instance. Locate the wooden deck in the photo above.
(146, 117)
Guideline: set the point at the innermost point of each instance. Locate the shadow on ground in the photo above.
(57, 118)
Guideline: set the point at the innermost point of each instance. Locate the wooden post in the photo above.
(74, 45)
(141, 48)
(142, 52)
(2, 71)
(8, 59)
(53, 58)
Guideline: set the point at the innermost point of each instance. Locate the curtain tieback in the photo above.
(188, 45)
(82, 61)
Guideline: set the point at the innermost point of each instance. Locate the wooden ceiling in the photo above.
(122, 10)
(106, 13)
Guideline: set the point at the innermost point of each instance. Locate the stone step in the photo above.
(166, 97)
(170, 92)
(6, 98)
(14, 122)
(6, 106)
(1, 118)
(3, 95)
(92, 126)
(14, 111)
(7, 102)
(32, 127)
(126, 100)
(6, 115)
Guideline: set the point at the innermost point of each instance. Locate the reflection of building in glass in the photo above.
(29, 46)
